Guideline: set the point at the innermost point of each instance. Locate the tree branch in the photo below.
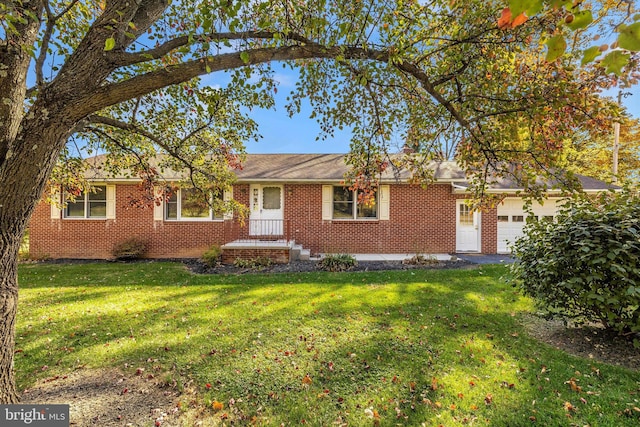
(108, 121)
(429, 87)
(122, 59)
(146, 14)
(157, 79)
(124, 147)
(48, 32)
(146, 83)
(452, 75)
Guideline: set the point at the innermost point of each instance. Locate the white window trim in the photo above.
(160, 212)
(56, 204)
(110, 206)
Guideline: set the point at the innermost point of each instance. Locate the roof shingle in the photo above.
(325, 168)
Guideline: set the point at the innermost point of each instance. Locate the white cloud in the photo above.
(285, 80)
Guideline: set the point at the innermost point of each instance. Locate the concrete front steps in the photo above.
(298, 253)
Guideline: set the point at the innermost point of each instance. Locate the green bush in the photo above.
(253, 263)
(337, 262)
(212, 256)
(132, 248)
(586, 266)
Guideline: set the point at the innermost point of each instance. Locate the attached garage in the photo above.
(512, 218)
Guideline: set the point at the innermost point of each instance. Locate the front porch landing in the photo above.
(279, 251)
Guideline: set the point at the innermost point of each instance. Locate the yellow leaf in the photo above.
(109, 44)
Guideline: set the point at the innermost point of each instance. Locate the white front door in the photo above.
(267, 210)
(467, 228)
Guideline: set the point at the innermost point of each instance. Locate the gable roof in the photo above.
(506, 185)
(292, 167)
(324, 167)
(281, 168)
(327, 168)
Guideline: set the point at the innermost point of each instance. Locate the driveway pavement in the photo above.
(474, 258)
(486, 259)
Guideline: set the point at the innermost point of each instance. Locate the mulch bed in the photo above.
(199, 267)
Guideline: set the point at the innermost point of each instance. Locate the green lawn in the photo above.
(388, 348)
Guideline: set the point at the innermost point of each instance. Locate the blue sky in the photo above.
(281, 133)
(297, 134)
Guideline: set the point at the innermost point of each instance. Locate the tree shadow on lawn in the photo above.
(428, 346)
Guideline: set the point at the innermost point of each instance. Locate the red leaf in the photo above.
(519, 20)
(504, 21)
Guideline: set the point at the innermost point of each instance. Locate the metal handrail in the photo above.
(251, 230)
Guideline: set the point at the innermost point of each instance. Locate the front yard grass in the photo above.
(421, 347)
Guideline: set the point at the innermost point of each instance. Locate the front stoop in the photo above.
(298, 253)
(278, 251)
(305, 255)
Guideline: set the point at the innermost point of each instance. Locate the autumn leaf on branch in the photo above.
(506, 20)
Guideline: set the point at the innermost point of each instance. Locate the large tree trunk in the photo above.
(15, 205)
(22, 182)
(8, 309)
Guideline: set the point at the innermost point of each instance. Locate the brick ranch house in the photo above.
(297, 206)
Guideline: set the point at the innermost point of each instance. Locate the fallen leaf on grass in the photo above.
(488, 399)
(574, 386)
(372, 413)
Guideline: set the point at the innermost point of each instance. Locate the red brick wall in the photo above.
(421, 220)
(95, 238)
(489, 231)
(277, 256)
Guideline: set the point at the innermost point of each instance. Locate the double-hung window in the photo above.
(187, 204)
(91, 204)
(340, 203)
(346, 205)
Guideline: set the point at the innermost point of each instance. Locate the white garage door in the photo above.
(512, 218)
